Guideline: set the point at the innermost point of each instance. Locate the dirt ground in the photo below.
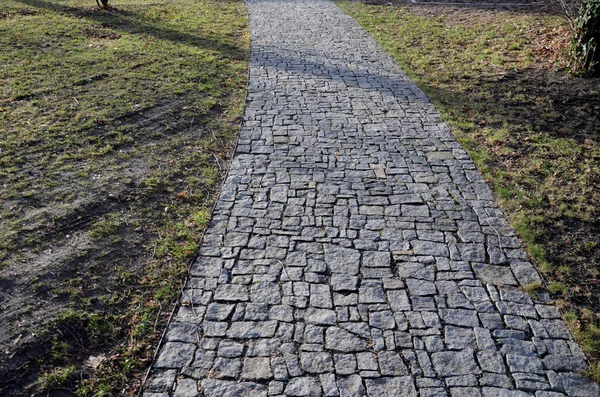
(80, 256)
(116, 127)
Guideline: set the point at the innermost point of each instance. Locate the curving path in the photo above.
(355, 249)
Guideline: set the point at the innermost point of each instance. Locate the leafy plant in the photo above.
(586, 38)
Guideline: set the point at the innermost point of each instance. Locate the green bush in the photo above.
(587, 36)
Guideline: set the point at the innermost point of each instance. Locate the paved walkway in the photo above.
(355, 250)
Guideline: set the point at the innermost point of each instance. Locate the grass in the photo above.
(115, 130)
(57, 377)
(531, 128)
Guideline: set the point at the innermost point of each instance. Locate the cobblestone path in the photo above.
(355, 250)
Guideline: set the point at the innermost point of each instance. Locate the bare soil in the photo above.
(67, 262)
(116, 128)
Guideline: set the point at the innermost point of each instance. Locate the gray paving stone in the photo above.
(263, 347)
(497, 275)
(574, 384)
(496, 380)
(491, 361)
(321, 316)
(429, 247)
(391, 364)
(462, 380)
(383, 320)
(398, 300)
(182, 332)
(344, 282)
(354, 247)
(530, 382)
(218, 388)
(367, 361)
(279, 369)
(316, 362)
(186, 387)
(371, 294)
(342, 260)
(329, 386)
(361, 329)
(252, 329)
(562, 363)
(161, 380)
(175, 355)
(230, 349)
(460, 317)
(455, 363)
(275, 388)
(376, 259)
(345, 364)
(226, 368)
(402, 386)
(337, 339)
(412, 210)
(499, 392)
(420, 287)
(257, 368)
(265, 292)
(517, 363)
(351, 386)
(458, 338)
(206, 267)
(219, 311)
(292, 363)
(252, 312)
(231, 293)
(303, 386)
(283, 313)
(320, 296)
(433, 392)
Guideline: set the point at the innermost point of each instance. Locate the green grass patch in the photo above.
(58, 377)
(115, 130)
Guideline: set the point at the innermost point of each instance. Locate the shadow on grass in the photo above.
(133, 23)
(540, 7)
(548, 151)
(549, 103)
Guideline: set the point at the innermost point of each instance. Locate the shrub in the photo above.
(584, 46)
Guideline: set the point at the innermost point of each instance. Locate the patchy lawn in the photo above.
(532, 129)
(115, 131)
